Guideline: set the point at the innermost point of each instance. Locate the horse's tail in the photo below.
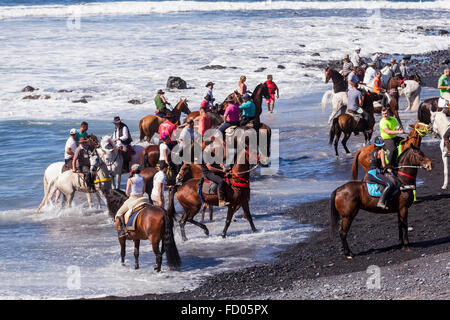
(355, 165)
(416, 102)
(170, 247)
(141, 130)
(44, 199)
(325, 99)
(333, 129)
(334, 214)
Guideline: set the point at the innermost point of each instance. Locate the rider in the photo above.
(444, 85)
(209, 93)
(82, 164)
(395, 68)
(353, 77)
(376, 172)
(135, 191)
(231, 116)
(248, 110)
(159, 184)
(355, 103)
(122, 134)
(347, 66)
(272, 87)
(82, 132)
(403, 69)
(389, 131)
(215, 172)
(161, 102)
(69, 150)
(356, 59)
(370, 74)
(166, 129)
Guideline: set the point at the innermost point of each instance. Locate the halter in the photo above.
(245, 183)
(422, 132)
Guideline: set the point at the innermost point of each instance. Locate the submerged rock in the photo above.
(260, 69)
(213, 67)
(28, 89)
(135, 101)
(176, 83)
(35, 97)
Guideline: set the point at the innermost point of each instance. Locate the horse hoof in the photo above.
(136, 267)
(224, 235)
(349, 257)
(254, 230)
(207, 232)
(407, 249)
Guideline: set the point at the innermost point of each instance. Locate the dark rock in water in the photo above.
(408, 57)
(29, 89)
(263, 57)
(176, 83)
(64, 91)
(82, 100)
(420, 28)
(260, 69)
(302, 45)
(35, 97)
(280, 66)
(135, 101)
(86, 97)
(442, 32)
(213, 67)
(315, 54)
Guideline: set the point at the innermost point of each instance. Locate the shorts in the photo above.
(272, 97)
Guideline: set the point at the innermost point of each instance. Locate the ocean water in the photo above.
(113, 51)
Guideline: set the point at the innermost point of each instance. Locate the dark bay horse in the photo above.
(414, 138)
(237, 193)
(425, 109)
(153, 224)
(346, 123)
(339, 82)
(149, 125)
(349, 198)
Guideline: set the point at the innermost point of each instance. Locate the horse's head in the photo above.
(107, 144)
(419, 128)
(418, 158)
(327, 74)
(183, 106)
(94, 161)
(93, 141)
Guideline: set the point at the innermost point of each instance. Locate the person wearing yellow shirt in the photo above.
(389, 132)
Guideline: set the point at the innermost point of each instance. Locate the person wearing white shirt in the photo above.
(159, 184)
(370, 75)
(209, 93)
(69, 150)
(356, 59)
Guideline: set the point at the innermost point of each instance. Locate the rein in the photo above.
(246, 183)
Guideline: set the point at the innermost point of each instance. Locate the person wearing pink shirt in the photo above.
(231, 116)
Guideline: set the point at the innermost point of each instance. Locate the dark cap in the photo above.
(117, 120)
(160, 91)
(209, 84)
(162, 165)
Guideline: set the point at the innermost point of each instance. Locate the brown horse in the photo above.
(238, 194)
(150, 156)
(346, 123)
(149, 125)
(394, 96)
(414, 138)
(153, 224)
(339, 82)
(349, 198)
(428, 106)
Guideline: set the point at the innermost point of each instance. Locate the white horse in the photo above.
(68, 182)
(440, 126)
(51, 174)
(112, 157)
(411, 91)
(338, 101)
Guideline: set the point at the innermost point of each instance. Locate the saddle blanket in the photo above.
(131, 221)
(209, 187)
(374, 189)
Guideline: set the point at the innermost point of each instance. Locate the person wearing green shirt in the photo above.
(389, 132)
(82, 132)
(161, 102)
(444, 85)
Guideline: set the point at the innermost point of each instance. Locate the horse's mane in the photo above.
(114, 200)
(256, 89)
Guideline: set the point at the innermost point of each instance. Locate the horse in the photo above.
(440, 125)
(149, 125)
(51, 174)
(346, 123)
(68, 182)
(154, 224)
(339, 102)
(238, 194)
(414, 138)
(426, 107)
(349, 198)
(410, 89)
(339, 82)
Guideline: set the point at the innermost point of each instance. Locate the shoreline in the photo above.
(373, 239)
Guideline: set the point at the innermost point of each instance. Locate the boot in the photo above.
(222, 198)
(382, 202)
(123, 232)
(447, 147)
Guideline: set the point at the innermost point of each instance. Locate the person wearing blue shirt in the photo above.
(248, 110)
(353, 78)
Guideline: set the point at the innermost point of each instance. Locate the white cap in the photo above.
(73, 131)
(358, 48)
(136, 167)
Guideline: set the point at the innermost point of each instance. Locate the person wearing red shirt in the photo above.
(272, 89)
(166, 129)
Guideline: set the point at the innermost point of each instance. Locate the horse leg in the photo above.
(344, 142)
(122, 242)
(203, 211)
(88, 196)
(69, 199)
(198, 224)
(155, 245)
(98, 200)
(345, 227)
(211, 208)
(248, 215)
(337, 136)
(403, 228)
(445, 162)
(136, 253)
(182, 224)
(230, 213)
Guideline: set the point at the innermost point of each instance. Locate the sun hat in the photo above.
(160, 91)
(116, 119)
(73, 131)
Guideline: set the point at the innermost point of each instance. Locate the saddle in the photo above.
(375, 189)
(209, 187)
(230, 130)
(131, 216)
